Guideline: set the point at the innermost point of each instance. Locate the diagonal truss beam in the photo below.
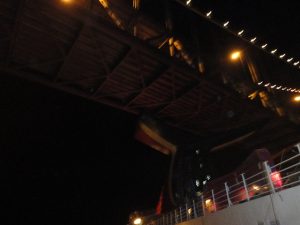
(187, 90)
(116, 65)
(36, 76)
(69, 53)
(196, 113)
(154, 79)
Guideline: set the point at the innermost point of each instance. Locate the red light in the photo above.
(276, 179)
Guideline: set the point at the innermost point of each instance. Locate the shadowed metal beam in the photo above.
(118, 93)
(150, 104)
(12, 44)
(154, 79)
(189, 130)
(116, 65)
(177, 114)
(200, 110)
(102, 26)
(66, 82)
(36, 76)
(39, 63)
(69, 54)
(169, 102)
(181, 95)
(100, 52)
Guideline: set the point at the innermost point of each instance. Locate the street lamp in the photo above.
(235, 55)
(297, 98)
(255, 76)
(137, 221)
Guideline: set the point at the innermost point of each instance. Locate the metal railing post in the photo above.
(166, 219)
(187, 211)
(298, 147)
(194, 207)
(180, 214)
(214, 201)
(268, 173)
(171, 214)
(203, 206)
(227, 194)
(245, 186)
(176, 217)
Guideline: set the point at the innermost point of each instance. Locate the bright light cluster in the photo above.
(253, 40)
(278, 87)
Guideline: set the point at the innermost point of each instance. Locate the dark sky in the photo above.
(66, 160)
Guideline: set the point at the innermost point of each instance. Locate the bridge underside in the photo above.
(77, 49)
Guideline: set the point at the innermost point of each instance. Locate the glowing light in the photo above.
(137, 221)
(190, 211)
(273, 51)
(104, 3)
(296, 63)
(289, 60)
(226, 24)
(279, 87)
(209, 13)
(276, 179)
(66, 1)
(208, 202)
(256, 188)
(281, 56)
(240, 32)
(263, 46)
(235, 55)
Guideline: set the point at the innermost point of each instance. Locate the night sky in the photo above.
(67, 160)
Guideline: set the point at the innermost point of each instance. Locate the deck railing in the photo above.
(269, 180)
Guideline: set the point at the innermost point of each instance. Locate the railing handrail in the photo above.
(230, 194)
(287, 160)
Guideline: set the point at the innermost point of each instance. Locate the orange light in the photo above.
(209, 205)
(297, 98)
(235, 55)
(137, 221)
(256, 188)
(208, 202)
